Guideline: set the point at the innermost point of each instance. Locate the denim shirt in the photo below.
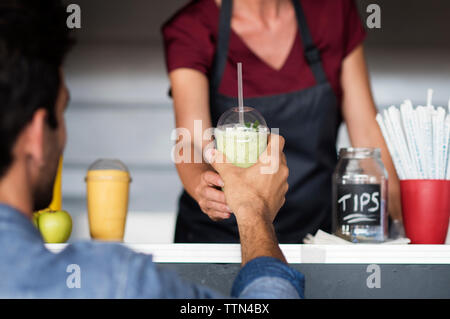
(104, 270)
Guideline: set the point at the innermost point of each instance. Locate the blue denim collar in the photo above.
(12, 220)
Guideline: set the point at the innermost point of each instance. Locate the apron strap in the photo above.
(312, 54)
(223, 37)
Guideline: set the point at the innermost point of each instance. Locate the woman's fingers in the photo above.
(211, 200)
(212, 194)
(217, 216)
(220, 207)
(283, 158)
(212, 178)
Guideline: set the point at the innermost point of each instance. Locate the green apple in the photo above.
(55, 226)
(36, 217)
(35, 220)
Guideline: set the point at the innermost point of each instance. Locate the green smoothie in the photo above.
(242, 144)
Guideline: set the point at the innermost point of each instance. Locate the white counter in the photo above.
(141, 227)
(295, 254)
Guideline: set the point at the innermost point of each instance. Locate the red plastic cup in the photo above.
(426, 210)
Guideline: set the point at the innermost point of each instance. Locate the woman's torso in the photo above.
(190, 39)
(292, 99)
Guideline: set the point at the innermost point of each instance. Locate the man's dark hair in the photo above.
(34, 40)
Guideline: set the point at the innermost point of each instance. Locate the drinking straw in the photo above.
(418, 133)
(394, 116)
(240, 94)
(448, 168)
(447, 145)
(435, 141)
(425, 142)
(425, 123)
(407, 111)
(431, 135)
(442, 142)
(392, 149)
(429, 97)
(413, 143)
(447, 125)
(393, 137)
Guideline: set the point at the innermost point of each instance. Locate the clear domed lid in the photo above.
(108, 164)
(252, 119)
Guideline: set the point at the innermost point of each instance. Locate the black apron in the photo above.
(308, 120)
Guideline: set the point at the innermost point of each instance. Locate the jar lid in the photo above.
(108, 164)
(359, 152)
(250, 119)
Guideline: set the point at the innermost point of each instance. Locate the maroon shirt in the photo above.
(190, 38)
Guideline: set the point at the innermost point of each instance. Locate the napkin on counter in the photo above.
(323, 238)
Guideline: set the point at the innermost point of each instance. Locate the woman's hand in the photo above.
(210, 198)
(191, 102)
(254, 193)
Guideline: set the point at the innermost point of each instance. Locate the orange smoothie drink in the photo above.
(107, 200)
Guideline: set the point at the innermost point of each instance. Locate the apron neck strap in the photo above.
(223, 37)
(312, 54)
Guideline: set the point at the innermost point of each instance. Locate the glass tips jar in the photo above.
(360, 196)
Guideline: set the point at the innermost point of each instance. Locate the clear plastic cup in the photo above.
(242, 141)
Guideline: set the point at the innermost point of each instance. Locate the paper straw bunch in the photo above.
(418, 139)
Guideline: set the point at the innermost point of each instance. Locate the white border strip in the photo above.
(295, 254)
